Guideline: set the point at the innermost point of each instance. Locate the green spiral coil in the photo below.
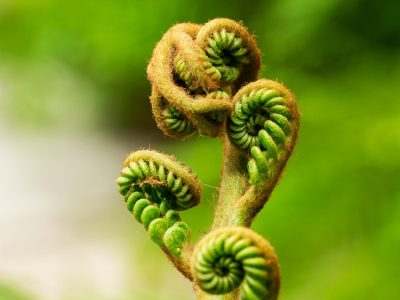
(264, 123)
(155, 187)
(227, 54)
(233, 257)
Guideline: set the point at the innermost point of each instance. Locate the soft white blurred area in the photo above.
(64, 230)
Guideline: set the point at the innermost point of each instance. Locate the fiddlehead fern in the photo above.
(190, 65)
(200, 78)
(230, 257)
(155, 187)
(264, 123)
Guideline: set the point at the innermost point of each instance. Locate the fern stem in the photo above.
(233, 185)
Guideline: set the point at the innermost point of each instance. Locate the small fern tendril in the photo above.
(177, 122)
(230, 257)
(264, 123)
(155, 188)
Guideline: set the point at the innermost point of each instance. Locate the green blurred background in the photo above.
(74, 102)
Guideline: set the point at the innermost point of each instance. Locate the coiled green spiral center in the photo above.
(264, 123)
(264, 111)
(222, 275)
(227, 53)
(235, 256)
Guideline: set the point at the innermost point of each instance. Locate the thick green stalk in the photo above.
(233, 185)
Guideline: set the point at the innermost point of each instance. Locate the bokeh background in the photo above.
(74, 102)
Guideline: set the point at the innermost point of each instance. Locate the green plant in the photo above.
(204, 79)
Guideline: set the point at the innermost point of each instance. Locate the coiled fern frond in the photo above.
(230, 257)
(264, 124)
(190, 65)
(204, 80)
(156, 187)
